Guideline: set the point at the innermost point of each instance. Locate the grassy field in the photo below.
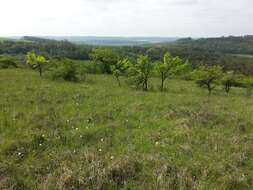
(95, 135)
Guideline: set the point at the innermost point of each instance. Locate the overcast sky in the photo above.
(180, 18)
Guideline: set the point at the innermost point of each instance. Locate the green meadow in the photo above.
(96, 135)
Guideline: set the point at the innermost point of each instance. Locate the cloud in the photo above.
(126, 17)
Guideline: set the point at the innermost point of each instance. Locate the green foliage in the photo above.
(105, 58)
(154, 53)
(36, 61)
(208, 76)
(7, 62)
(231, 53)
(229, 80)
(245, 82)
(88, 66)
(140, 72)
(45, 47)
(119, 69)
(68, 71)
(231, 44)
(170, 66)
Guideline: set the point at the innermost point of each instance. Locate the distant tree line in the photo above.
(47, 48)
(196, 55)
(202, 52)
(229, 45)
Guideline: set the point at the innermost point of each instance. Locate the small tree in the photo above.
(35, 62)
(208, 76)
(105, 57)
(169, 66)
(229, 80)
(141, 71)
(119, 68)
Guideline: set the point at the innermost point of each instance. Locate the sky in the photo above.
(165, 18)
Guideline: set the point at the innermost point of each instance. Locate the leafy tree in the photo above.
(119, 68)
(141, 71)
(208, 76)
(169, 66)
(105, 57)
(229, 80)
(36, 62)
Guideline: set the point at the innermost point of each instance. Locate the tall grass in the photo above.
(95, 135)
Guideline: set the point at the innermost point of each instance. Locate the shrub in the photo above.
(7, 62)
(67, 70)
(90, 67)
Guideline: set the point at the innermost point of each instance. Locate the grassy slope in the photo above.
(59, 135)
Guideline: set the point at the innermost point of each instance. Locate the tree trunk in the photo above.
(40, 70)
(118, 81)
(227, 88)
(209, 88)
(162, 82)
(145, 84)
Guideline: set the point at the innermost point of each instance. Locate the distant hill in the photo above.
(111, 41)
(228, 45)
(36, 39)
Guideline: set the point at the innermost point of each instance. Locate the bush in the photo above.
(68, 71)
(7, 62)
(91, 67)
